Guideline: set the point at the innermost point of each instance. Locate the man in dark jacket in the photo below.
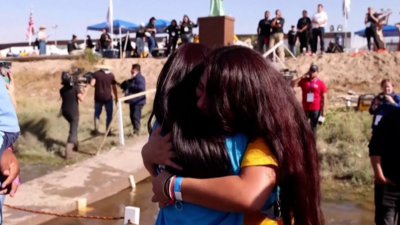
(134, 85)
(384, 152)
(72, 45)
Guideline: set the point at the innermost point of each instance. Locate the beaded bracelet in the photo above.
(165, 187)
(171, 188)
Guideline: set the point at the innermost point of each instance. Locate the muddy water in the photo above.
(335, 212)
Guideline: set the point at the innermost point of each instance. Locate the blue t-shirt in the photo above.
(184, 213)
(8, 116)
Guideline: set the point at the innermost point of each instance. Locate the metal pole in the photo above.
(120, 124)
(55, 34)
(120, 43)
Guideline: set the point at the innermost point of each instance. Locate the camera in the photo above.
(381, 97)
(6, 64)
(85, 79)
(73, 78)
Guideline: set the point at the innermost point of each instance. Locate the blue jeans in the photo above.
(186, 39)
(42, 48)
(293, 49)
(7, 140)
(140, 46)
(98, 107)
(152, 43)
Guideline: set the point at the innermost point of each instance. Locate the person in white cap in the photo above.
(42, 38)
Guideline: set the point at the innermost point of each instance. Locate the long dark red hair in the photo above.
(247, 94)
(200, 153)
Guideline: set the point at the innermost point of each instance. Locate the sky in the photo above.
(73, 16)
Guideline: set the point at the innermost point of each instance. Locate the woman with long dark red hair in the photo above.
(241, 93)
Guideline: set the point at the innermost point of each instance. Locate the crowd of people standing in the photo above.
(308, 32)
(147, 33)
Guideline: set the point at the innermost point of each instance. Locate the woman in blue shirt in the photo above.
(383, 104)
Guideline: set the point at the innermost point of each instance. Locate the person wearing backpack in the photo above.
(134, 85)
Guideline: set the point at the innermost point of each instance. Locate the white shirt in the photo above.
(319, 17)
(41, 36)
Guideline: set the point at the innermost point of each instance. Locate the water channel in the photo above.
(335, 212)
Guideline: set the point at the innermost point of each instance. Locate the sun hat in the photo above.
(104, 65)
(42, 27)
(142, 25)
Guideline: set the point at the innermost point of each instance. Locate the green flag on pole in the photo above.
(216, 8)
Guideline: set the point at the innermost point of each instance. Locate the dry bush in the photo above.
(343, 146)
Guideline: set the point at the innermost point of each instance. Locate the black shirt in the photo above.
(140, 33)
(304, 21)
(172, 31)
(384, 143)
(265, 27)
(89, 43)
(187, 28)
(70, 102)
(370, 22)
(72, 46)
(151, 26)
(102, 87)
(280, 21)
(103, 40)
(292, 36)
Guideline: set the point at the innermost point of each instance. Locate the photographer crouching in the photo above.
(72, 92)
(383, 104)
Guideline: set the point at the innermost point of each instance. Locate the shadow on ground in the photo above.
(40, 129)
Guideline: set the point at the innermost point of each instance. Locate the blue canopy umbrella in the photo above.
(161, 25)
(117, 24)
(119, 27)
(388, 31)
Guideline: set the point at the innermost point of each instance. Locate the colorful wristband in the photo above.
(17, 181)
(177, 189)
(171, 190)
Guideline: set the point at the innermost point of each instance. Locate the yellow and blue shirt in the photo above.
(241, 154)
